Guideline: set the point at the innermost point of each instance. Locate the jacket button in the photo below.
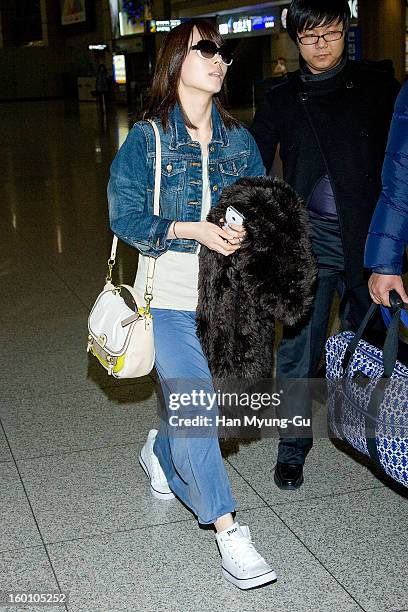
(212, 169)
(349, 84)
(212, 149)
(304, 96)
(215, 188)
(169, 167)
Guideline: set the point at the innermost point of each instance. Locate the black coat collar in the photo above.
(308, 77)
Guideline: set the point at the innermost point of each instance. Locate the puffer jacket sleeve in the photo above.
(388, 234)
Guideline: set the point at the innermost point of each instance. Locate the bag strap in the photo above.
(157, 169)
(148, 295)
(390, 349)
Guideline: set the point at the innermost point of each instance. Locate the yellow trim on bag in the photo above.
(119, 364)
(143, 313)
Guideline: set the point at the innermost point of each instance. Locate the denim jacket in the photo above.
(231, 155)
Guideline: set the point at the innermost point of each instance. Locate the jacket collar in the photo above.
(180, 136)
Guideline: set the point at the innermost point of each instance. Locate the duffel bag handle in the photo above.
(390, 349)
(396, 301)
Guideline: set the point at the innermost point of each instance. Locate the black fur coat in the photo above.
(270, 277)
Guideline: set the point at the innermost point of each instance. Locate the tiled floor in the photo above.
(75, 511)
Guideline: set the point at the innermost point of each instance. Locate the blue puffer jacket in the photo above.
(388, 234)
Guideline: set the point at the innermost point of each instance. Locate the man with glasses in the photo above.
(330, 120)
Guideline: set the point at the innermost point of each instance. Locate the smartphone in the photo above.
(232, 215)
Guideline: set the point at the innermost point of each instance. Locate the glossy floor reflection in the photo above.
(75, 511)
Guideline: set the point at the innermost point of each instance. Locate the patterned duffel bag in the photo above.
(368, 395)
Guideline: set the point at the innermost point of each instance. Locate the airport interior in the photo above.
(77, 518)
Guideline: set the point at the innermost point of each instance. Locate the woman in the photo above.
(203, 149)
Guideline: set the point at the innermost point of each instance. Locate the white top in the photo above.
(175, 284)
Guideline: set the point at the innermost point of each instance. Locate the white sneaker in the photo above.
(241, 563)
(150, 463)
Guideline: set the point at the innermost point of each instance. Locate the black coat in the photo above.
(337, 127)
(270, 277)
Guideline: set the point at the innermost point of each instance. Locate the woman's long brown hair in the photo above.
(164, 91)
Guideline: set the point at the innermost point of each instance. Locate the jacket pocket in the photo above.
(173, 175)
(233, 169)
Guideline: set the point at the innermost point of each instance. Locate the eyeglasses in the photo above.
(207, 49)
(313, 39)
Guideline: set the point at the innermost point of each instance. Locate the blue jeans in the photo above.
(191, 460)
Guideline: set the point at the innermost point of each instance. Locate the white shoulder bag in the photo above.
(120, 333)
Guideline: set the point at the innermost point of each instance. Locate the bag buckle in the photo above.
(90, 342)
(148, 298)
(111, 364)
(102, 340)
(133, 317)
(111, 263)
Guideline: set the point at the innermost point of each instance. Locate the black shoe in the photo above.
(288, 476)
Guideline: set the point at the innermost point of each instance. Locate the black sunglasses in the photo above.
(207, 49)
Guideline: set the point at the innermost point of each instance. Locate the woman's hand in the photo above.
(222, 241)
(235, 231)
(216, 238)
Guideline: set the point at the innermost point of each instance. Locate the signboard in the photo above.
(163, 25)
(354, 46)
(238, 25)
(264, 22)
(119, 69)
(72, 11)
(101, 47)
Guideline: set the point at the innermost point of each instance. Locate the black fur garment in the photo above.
(270, 277)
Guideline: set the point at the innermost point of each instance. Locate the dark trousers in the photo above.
(302, 346)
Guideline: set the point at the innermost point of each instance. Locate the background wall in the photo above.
(41, 72)
(51, 68)
(283, 46)
(383, 31)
